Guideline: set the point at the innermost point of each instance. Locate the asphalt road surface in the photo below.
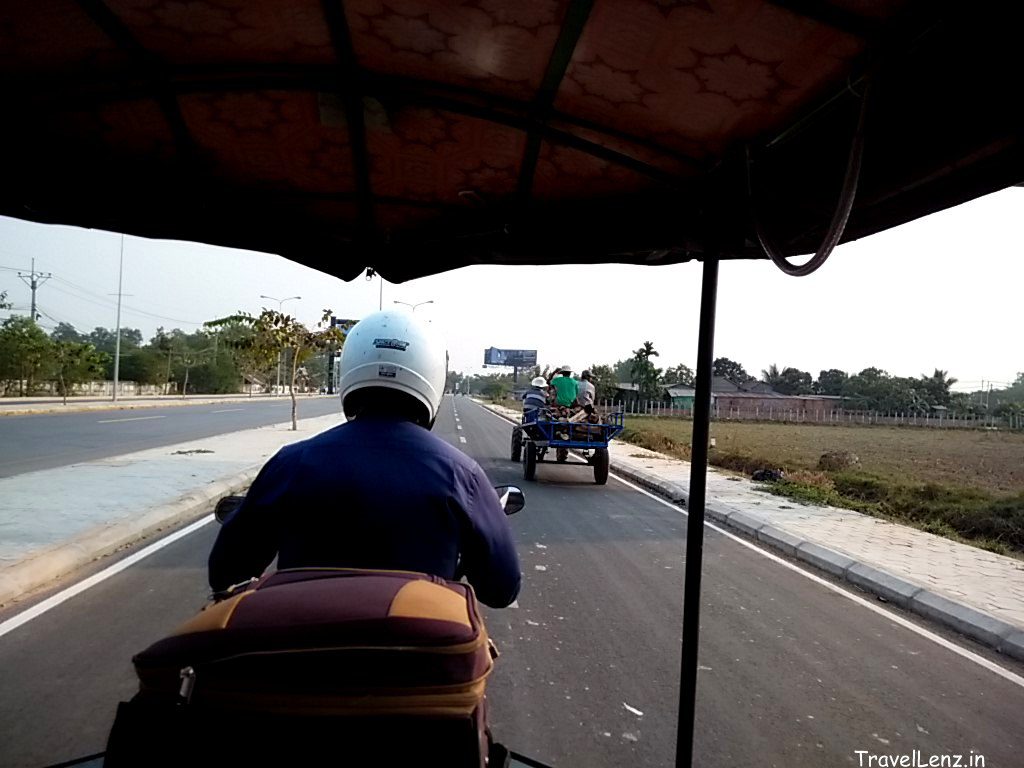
(792, 673)
(45, 441)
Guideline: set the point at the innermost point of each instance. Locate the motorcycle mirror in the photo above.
(226, 507)
(511, 498)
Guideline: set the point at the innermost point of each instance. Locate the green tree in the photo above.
(936, 388)
(75, 362)
(730, 370)
(680, 374)
(105, 340)
(495, 386)
(772, 376)
(605, 381)
(189, 359)
(830, 382)
(875, 390)
(622, 370)
(643, 373)
(66, 332)
(4, 303)
(793, 381)
(255, 364)
(25, 352)
(275, 331)
(143, 366)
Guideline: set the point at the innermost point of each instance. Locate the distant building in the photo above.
(679, 396)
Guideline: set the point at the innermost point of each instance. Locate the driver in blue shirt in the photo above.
(380, 491)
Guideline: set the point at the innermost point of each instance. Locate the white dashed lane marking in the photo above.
(462, 439)
(133, 418)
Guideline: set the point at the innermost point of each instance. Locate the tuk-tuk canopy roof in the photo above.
(416, 136)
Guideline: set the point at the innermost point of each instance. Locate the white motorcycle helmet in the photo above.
(393, 350)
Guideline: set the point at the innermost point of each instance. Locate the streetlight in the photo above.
(417, 304)
(280, 303)
(370, 274)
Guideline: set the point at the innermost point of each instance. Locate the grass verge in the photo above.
(895, 480)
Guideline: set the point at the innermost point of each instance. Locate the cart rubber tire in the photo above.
(529, 461)
(561, 454)
(517, 444)
(600, 462)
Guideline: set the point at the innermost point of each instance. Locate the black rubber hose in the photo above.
(842, 213)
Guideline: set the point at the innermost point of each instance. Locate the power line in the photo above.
(139, 311)
(110, 304)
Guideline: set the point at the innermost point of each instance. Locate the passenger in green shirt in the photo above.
(565, 386)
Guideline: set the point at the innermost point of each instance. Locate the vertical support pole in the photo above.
(695, 510)
(117, 331)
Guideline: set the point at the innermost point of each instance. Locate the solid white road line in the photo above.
(894, 618)
(228, 410)
(133, 418)
(52, 602)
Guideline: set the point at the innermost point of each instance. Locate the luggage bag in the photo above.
(377, 667)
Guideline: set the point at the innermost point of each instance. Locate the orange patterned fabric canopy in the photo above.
(416, 136)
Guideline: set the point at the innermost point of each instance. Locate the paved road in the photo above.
(793, 674)
(45, 441)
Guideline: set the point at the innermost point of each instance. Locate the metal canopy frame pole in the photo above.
(695, 508)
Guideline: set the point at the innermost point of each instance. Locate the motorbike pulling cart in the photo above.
(541, 432)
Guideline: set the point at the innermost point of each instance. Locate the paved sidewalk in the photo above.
(57, 520)
(971, 590)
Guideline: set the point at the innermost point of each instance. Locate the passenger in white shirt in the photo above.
(585, 392)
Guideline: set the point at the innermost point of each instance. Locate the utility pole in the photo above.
(117, 332)
(35, 279)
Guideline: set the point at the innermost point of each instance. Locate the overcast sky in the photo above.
(945, 291)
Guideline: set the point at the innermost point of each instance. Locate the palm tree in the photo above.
(937, 386)
(643, 373)
(772, 376)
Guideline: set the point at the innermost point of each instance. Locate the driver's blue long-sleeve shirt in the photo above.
(372, 493)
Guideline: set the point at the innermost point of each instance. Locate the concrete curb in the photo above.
(126, 405)
(988, 630)
(45, 567)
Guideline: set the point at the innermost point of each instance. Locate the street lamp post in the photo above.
(280, 303)
(417, 304)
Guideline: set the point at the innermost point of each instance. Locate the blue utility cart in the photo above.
(532, 439)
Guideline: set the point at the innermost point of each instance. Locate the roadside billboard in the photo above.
(514, 358)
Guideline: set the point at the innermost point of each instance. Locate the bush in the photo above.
(860, 486)
(811, 479)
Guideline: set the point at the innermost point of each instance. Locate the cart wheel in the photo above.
(517, 444)
(561, 454)
(600, 462)
(529, 462)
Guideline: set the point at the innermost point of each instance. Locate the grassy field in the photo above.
(965, 484)
(989, 461)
